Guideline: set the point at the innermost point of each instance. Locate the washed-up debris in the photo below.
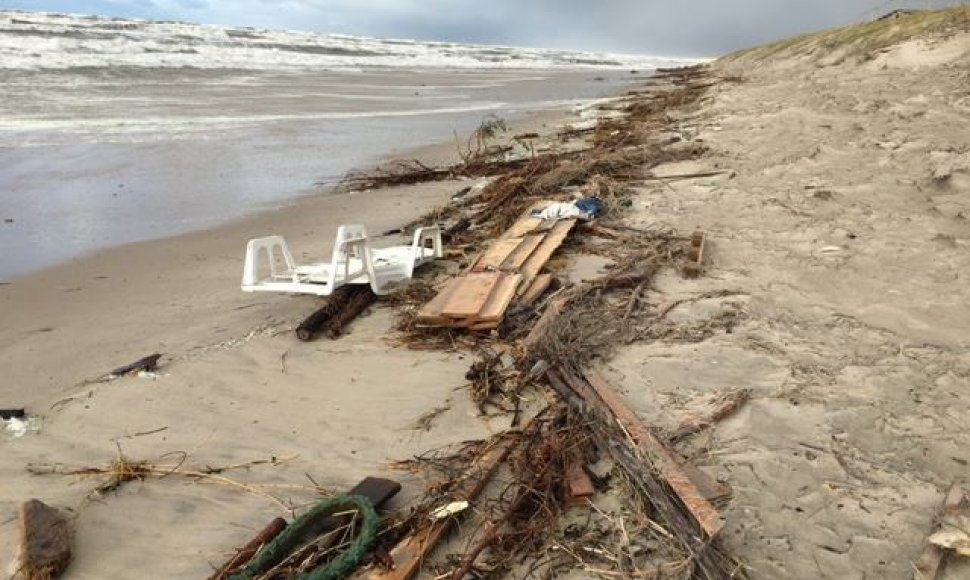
(669, 500)
(715, 408)
(695, 256)
(123, 469)
(19, 424)
(345, 304)
(585, 209)
(246, 553)
(14, 413)
(933, 559)
(479, 299)
(147, 364)
(45, 541)
(408, 555)
(449, 510)
(320, 542)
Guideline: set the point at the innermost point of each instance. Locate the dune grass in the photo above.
(861, 41)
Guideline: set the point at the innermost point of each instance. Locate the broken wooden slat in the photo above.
(553, 310)
(549, 245)
(517, 258)
(933, 558)
(536, 289)
(705, 514)
(499, 300)
(493, 257)
(469, 297)
(45, 541)
(408, 555)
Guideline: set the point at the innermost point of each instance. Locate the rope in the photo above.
(291, 538)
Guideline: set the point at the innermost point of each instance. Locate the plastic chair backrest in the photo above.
(351, 243)
(267, 246)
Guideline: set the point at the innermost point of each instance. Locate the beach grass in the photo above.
(860, 42)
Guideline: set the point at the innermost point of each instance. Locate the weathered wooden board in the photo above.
(499, 300)
(514, 260)
(432, 310)
(549, 244)
(669, 466)
(526, 222)
(471, 294)
(493, 257)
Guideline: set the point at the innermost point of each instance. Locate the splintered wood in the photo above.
(510, 267)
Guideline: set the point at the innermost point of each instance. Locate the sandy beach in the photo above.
(833, 196)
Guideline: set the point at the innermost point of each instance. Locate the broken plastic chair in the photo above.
(353, 262)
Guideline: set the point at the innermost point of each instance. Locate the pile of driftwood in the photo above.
(571, 437)
(530, 501)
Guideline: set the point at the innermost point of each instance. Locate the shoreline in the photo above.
(67, 199)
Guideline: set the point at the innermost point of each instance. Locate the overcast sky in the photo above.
(658, 27)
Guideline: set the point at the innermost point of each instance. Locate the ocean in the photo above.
(117, 131)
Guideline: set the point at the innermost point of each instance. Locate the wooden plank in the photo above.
(521, 253)
(545, 250)
(933, 558)
(471, 294)
(705, 514)
(492, 258)
(408, 555)
(536, 289)
(45, 541)
(526, 223)
(432, 310)
(499, 300)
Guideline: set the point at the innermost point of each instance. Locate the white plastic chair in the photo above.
(352, 262)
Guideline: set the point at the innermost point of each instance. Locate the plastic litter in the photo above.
(585, 209)
(449, 510)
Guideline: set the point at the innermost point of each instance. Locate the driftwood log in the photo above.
(148, 363)
(342, 307)
(45, 541)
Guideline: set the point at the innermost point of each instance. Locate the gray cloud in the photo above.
(695, 28)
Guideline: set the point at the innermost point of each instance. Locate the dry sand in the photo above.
(844, 233)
